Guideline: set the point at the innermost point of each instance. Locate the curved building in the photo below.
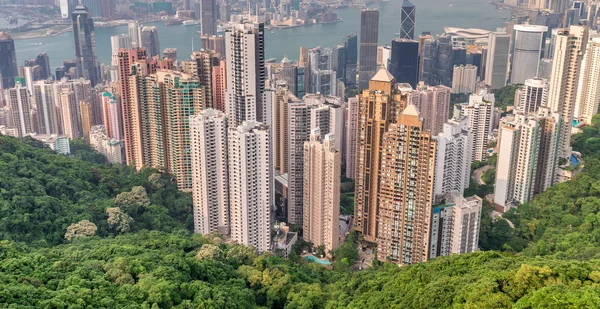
(526, 52)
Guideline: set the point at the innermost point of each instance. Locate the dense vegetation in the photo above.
(140, 254)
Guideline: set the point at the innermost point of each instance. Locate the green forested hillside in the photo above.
(141, 254)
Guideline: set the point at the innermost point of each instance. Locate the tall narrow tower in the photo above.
(369, 35)
(208, 17)
(588, 95)
(85, 44)
(8, 61)
(408, 20)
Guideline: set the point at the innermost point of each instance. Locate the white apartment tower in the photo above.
(20, 109)
(210, 176)
(245, 72)
(45, 101)
(527, 156)
(569, 46)
(479, 109)
(455, 226)
(588, 95)
(251, 188)
(464, 78)
(351, 134)
(533, 95)
(453, 158)
(322, 168)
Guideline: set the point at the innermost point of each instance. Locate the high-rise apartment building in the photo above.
(201, 65)
(251, 187)
(464, 79)
(215, 43)
(533, 95)
(111, 115)
(408, 20)
(322, 168)
(479, 109)
(569, 47)
(351, 136)
(405, 190)
(210, 175)
(527, 49)
(45, 101)
(129, 88)
(85, 109)
(20, 109)
(369, 36)
(69, 109)
(455, 226)
(588, 95)
(8, 61)
(433, 104)
(497, 59)
(404, 61)
(111, 148)
(377, 109)
(208, 17)
(245, 72)
(149, 40)
(219, 84)
(85, 44)
(453, 158)
(527, 156)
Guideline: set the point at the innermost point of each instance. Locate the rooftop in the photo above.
(383, 75)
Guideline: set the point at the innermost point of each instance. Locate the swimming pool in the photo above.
(318, 261)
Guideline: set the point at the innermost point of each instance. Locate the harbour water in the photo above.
(432, 15)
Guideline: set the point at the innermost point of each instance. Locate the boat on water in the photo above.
(191, 22)
(173, 22)
(451, 5)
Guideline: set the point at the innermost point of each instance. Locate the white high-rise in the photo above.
(497, 60)
(20, 109)
(453, 158)
(322, 168)
(251, 188)
(245, 72)
(531, 96)
(527, 156)
(210, 175)
(455, 226)
(351, 134)
(464, 79)
(527, 47)
(479, 109)
(588, 95)
(45, 101)
(569, 46)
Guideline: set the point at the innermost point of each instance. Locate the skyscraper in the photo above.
(69, 114)
(404, 62)
(351, 136)
(322, 75)
(531, 96)
(85, 109)
(322, 168)
(8, 61)
(251, 187)
(433, 104)
(111, 115)
(453, 158)
(134, 35)
(527, 156)
(464, 79)
(479, 109)
(428, 60)
(85, 44)
(149, 40)
(497, 59)
(245, 72)
(455, 226)
(20, 109)
(369, 36)
(210, 175)
(527, 48)
(219, 84)
(208, 17)
(405, 190)
(588, 95)
(351, 46)
(377, 109)
(45, 101)
(408, 20)
(568, 53)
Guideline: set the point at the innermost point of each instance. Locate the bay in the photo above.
(432, 15)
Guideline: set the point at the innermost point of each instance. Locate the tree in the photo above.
(209, 252)
(136, 198)
(119, 220)
(81, 229)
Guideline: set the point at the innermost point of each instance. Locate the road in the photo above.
(478, 172)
